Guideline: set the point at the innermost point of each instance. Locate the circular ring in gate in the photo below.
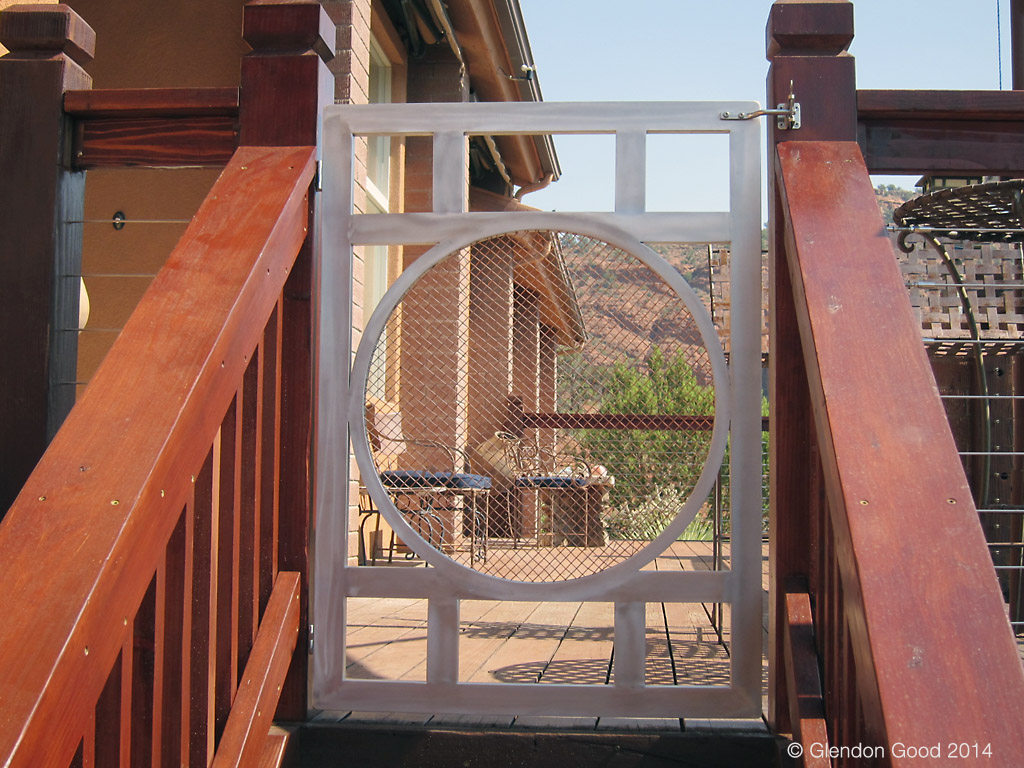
(542, 406)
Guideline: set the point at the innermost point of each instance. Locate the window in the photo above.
(378, 187)
(378, 159)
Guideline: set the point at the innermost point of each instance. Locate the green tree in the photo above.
(645, 462)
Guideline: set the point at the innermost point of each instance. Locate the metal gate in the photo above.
(538, 407)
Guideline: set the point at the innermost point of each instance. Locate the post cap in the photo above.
(51, 29)
(288, 25)
(809, 27)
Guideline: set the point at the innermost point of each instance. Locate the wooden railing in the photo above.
(908, 617)
(889, 633)
(149, 609)
(152, 127)
(946, 133)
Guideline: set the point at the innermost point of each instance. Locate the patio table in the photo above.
(576, 513)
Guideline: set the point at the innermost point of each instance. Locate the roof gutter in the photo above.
(494, 44)
(513, 26)
(441, 19)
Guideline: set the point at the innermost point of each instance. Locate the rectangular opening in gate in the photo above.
(687, 172)
(688, 554)
(379, 177)
(687, 644)
(535, 642)
(587, 182)
(386, 638)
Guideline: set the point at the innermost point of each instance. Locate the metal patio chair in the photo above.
(425, 494)
(569, 492)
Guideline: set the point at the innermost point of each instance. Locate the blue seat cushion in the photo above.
(551, 481)
(413, 478)
(418, 478)
(467, 481)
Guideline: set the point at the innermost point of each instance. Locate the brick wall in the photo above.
(435, 313)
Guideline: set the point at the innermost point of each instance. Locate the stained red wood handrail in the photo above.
(152, 127)
(657, 421)
(981, 106)
(151, 102)
(79, 547)
(934, 656)
(637, 421)
(964, 133)
(252, 712)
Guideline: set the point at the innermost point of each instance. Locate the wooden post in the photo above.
(40, 253)
(1017, 43)
(285, 86)
(807, 45)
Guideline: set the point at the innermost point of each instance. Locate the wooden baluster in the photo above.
(285, 86)
(87, 749)
(143, 669)
(851, 700)
(270, 360)
(803, 678)
(183, 686)
(40, 252)
(227, 567)
(110, 731)
(257, 415)
(248, 592)
(170, 619)
(204, 608)
(806, 45)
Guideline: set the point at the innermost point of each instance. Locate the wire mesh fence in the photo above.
(540, 404)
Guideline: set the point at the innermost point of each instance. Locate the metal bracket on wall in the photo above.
(787, 113)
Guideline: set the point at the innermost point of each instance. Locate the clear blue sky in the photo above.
(653, 50)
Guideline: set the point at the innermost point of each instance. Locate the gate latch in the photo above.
(787, 114)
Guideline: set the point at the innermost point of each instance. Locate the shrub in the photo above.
(646, 519)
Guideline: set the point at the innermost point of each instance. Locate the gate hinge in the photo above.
(310, 639)
(787, 114)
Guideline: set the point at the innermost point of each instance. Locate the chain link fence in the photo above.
(540, 404)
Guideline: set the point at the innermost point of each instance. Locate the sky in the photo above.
(694, 50)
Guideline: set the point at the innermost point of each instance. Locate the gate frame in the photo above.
(340, 415)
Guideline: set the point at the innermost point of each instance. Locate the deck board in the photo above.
(526, 654)
(388, 648)
(481, 638)
(585, 653)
